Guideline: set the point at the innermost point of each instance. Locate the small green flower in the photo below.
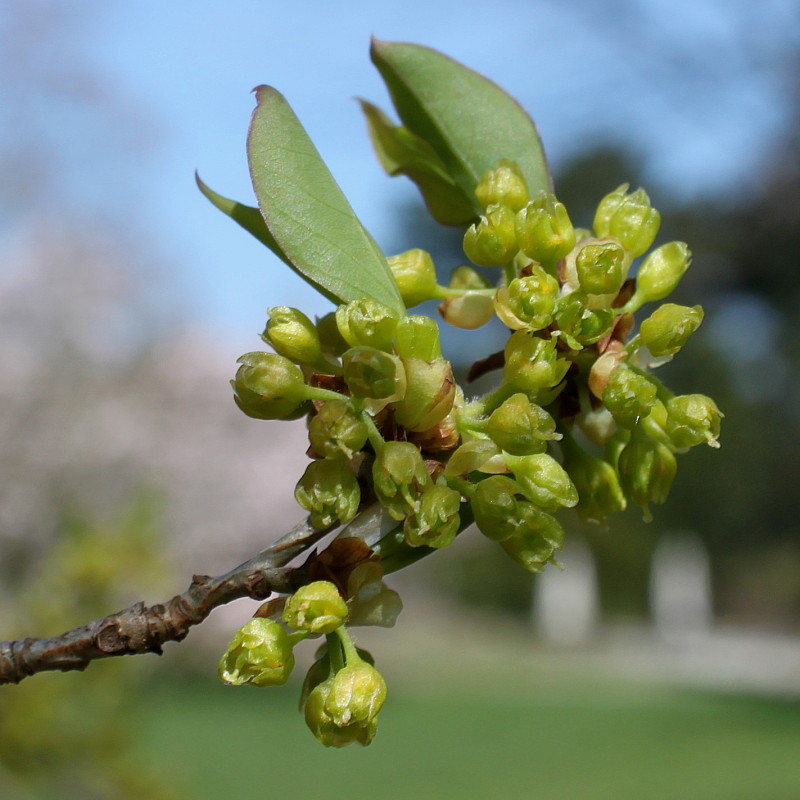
(536, 541)
(316, 608)
(503, 185)
(336, 431)
(629, 218)
(492, 242)
(415, 276)
(543, 480)
(429, 396)
(544, 230)
(369, 372)
(660, 273)
(666, 330)
(329, 491)
(435, 523)
(629, 395)
(497, 510)
(367, 323)
(646, 469)
(399, 477)
(579, 325)
(693, 419)
(602, 267)
(323, 726)
(532, 363)
(520, 427)
(268, 386)
(357, 694)
(418, 337)
(529, 302)
(260, 653)
(292, 334)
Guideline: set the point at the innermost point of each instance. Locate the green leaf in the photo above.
(251, 220)
(305, 211)
(469, 121)
(401, 152)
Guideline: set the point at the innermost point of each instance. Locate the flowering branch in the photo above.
(144, 629)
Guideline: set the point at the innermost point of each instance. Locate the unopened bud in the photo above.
(316, 607)
(268, 386)
(417, 337)
(292, 334)
(693, 419)
(399, 476)
(532, 363)
(543, 480)
(329, 491)
(492, 242)
(544, 230)
(473, 456)
(357, 694)
(521, 427)
(367, 322)
(332, 342)
(660, 273)
(630, 219)
(503, 185)
(467, 311)
(415, 276)
(529, 302)
(629, 395)
(260, 653)
(429, 396)
(435, 523)
(369, 372)
(666, 330)
(596, 480)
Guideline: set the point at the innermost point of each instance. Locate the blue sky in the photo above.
(693, 87)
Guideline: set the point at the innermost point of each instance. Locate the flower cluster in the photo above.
(576, 420)
(342, 692)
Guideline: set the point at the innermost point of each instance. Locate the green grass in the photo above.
(551, 736)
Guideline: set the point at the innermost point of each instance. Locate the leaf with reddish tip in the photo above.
(305, 211)
(470, 122)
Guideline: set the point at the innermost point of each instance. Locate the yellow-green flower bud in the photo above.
(504, 185)
(415, 276)
(497, 510)
(322, 725)
(693, 419)
(529, 302)
(465, 277)
(602, 267)
(471, 456)
(336, 431)
(596, 481)
(532, 363)
(329, 491)
(430, 392)
(646, 469)
(543, 480)
(369, 372)
(418, 337)
(260, 653)
(628, 218)
(580, 325)
(436, 522)
(357, 694)
(521, 427)
(467, 311)
(399, 476)
(536, 541)
(292, 334)
(268, 386)
(666, 330)
(492, 242)
(316, 607)
(660, 273)
(628, 395)
(367, 322)
(332, 342)
(544, 230)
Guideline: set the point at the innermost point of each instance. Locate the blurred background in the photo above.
(664, 661)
